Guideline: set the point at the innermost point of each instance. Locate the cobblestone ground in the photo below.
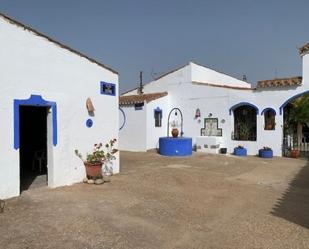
(205, 201)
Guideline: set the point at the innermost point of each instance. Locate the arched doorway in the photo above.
(295, 113)
(244, 121)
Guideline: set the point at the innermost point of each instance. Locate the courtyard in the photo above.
(203, 201)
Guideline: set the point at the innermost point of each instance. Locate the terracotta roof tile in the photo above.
(285, 82)
(304, 49)
(135, 99)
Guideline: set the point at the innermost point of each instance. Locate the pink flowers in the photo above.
(100, 154)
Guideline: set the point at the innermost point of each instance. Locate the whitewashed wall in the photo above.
(156, 132)
(133, 137)
(207, 75)
(168, 82)
(32, 65)
(306, 69)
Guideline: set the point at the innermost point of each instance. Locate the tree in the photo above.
(299, 115)
(300, 110)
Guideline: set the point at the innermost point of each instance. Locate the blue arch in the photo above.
(269, 109)
(242, 104)
(290, 99)
(124, 118)
(34, 100)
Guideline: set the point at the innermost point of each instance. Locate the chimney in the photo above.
(140, 88)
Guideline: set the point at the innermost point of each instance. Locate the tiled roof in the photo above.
(304, 49)
(285, 82)
(141, 98)
(10, 20)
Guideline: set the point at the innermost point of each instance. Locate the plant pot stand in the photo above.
(97, 181)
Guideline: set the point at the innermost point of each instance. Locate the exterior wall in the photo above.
(32, 65)
(306, 69)
(218, 101)
(133, 135)
(207, 75)
(154, 133)
(189, 95)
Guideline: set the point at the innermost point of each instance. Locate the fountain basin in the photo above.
(180, 146)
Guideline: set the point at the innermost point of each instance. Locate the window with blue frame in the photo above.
(138, 106)
(158, 117)
(108, 88)
(270, 119)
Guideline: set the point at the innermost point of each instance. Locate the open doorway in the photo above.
(296, 125)
(33, 146)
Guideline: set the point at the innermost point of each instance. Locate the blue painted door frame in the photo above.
(34, 100)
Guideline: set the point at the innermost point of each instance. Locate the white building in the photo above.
(222, 102)
(44, 88)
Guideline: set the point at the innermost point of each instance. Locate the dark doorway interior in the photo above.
(33, 146)
(245, 123)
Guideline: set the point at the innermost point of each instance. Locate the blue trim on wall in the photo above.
(269, 109)
(124, 118)
(34, 100)
(290, 99)
(242, 104)
(104, 85)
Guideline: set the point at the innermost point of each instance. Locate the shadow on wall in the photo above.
(293, 206)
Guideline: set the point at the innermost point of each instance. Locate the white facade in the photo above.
(33, 65)
(195, 87)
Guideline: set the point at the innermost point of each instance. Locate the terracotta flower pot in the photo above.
(269, 127)
(294, 153)
(93, 170)
(175, 132)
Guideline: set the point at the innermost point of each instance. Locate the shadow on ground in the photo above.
(293, 205)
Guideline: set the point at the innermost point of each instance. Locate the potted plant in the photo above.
(294, 151)
(266, 152)
(270, 126)
(99, 157)
(175, 131)
(240, 151)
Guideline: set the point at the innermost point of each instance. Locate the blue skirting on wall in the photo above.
(169, 146)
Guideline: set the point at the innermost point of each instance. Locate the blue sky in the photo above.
(256, 38)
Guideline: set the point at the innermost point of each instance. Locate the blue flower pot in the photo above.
(240, 152)
(265, 153)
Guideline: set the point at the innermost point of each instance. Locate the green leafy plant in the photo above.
(101, 154)
(299, 112)
(244, 131)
